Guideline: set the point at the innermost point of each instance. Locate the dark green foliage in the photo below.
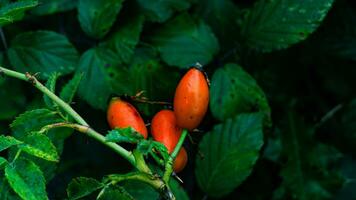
(10, 12)
(277, 24)
(114, 193)
(8, 141)
(97, 16)
(184, 41)
(51, 85)
(228, 153)
(82, 186)
(234, 91)
(47, 7)
(160, 11)
(307, 172)
(10, 107)
(69, 90)
(43, 51)
(281, 122)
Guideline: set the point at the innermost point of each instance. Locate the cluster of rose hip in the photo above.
(190, 104)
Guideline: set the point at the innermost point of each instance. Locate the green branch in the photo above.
(82, 126)
(92, 133)
(32, 79)
(3, 39)
(140, 162)
(154, 181)
(172, 157)
(138, 176)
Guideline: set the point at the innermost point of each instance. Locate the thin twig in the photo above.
(92, 133)
(143, 100)
(329, 115)
(3, 39)
(172, 157)
(147, 178)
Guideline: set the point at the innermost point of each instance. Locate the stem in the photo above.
(149, 179)
(172, 157)
(140, 162)
(140, 100)
(32, 79)
(83, 127)
(3, 39)
(144, 177)
(157, 159)
(329, 115)
(136, 160)
(17, 155)
(92, 133)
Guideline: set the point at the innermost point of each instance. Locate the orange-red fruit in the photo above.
(122, 114)
(180, 161)
(191, 99)
(164, 129)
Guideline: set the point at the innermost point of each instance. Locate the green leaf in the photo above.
(68, 91)
(125, 39)
(26, 179)
(82, 186)
(128, 135)
(3, 162)
(184, 41)
(278, 24)
(42, 51)
(47, 7)
(15, 11)
(33, 121)
(234, 91)
(40, 145)
(102, 77)
(160, 11)
(97, 16)
(152, 147)
(229, 153)
(222, 17)
(5, 190)
(338, 37)
(114, 193)
(51, 85)
(95, 87)
(7, 141)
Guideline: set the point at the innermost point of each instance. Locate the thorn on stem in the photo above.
(201, 155)
(140, 93)
(156, 176)
(31, 78)
(177, 177)
(191, 139)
